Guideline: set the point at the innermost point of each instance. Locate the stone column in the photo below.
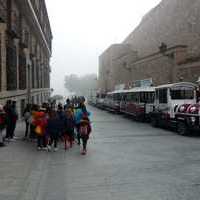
(42, 76)
(39, 74)
(48, 77)
(35, 72)
(3, 57)
(16, 43)
(28, 74)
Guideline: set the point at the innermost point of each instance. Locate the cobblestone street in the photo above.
(126, 160)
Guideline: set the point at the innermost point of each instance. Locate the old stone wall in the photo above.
(110, 70)
(25, 51)
(174, 22)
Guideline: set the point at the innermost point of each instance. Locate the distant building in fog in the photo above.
(25, 51)
(174, 25)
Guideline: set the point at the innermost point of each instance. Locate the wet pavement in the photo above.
(126, 160)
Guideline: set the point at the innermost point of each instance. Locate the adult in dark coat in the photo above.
(11, 118)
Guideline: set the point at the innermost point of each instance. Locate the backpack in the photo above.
(84, 130)
(38, 130)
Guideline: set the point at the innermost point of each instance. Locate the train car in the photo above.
(113, 99)
(188, 118)
(168, 98)
(138, 102)
(100, 99)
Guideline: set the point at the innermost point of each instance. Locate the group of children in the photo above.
(66, 124)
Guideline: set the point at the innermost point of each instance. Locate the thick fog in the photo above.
(82, 30)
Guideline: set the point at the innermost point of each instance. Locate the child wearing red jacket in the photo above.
(40, 122)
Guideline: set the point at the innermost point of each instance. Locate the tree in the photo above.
(81, 85)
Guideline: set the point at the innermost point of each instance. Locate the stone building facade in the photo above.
(112, 69)
(165, 48)
(25, 51)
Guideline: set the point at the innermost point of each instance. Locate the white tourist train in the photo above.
(170, 105)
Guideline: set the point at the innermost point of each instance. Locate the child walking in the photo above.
(54, 126)
(69, 124)
(40, 123)
(85, 130)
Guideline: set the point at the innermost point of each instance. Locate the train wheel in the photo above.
(182, 128)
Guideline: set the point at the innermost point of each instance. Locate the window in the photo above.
(142, 97)
(11, 56)
(182, 94)
(117, 97)
(25, 37)
(135, 97)
(162, 95)
(37, 4)
(129, 97)
(22, 72)
(124, 97)
(147, 97)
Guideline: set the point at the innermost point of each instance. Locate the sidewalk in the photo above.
(125, 160)
(15, 161)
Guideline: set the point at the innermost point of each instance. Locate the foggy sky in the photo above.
(83, 29)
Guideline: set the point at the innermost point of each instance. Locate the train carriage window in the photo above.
(142, 97)
(102, 96)
(162, 95)
(147, 97)
(182, 94)
(151, 97)
(129, 97)
(119, 97)
(124, 97)
(137, 97)
(157, 94)
(133, 97)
